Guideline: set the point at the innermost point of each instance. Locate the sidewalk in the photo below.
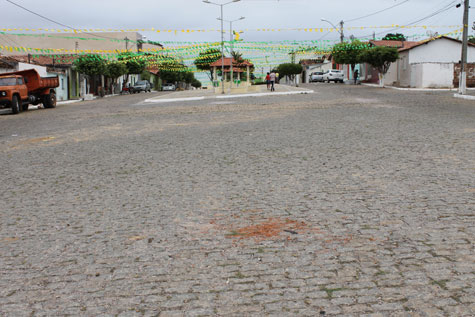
(470, 95)
(201, 94)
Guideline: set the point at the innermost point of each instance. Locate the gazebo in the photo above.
(238, 68)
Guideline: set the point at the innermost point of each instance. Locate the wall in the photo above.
(391, 76)
(71, 41)
(6, 70)
(40, 69)
(62, 90)
(470, 70)
(440, 51)
(437, 75)
(404, 69)
(429, 75)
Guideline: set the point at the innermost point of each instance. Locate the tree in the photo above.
(171, 70)
(206, 58)
(90, 65)
(289, 70)
(196, 83)
(349, 53)
(114, 70)
(381, 57)
(188, 77)
(146, 75)
(134, 63)
(395, 37)
(237, 58)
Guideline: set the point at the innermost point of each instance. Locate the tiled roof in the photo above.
(314, 61)
(431, 40)
(391, 43)
(227, 62)
(153, 70)
(43, 60)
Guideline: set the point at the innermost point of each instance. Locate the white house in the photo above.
(433, 64)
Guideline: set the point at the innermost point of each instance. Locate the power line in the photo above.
(439, 11)
(58, 23)
(374, 13)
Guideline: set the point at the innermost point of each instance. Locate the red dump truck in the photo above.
(20, 89)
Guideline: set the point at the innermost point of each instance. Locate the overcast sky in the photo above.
(194, 14)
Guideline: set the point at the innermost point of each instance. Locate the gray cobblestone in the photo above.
(119, 208)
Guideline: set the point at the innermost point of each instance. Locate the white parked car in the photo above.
(316, 77)
(334, 75)
(168, 87)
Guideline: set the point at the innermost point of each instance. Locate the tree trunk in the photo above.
(381, 80)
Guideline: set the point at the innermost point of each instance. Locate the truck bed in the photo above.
(33, 81)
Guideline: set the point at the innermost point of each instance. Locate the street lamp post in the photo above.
(342, 36)
(222, 37)
(231, 41)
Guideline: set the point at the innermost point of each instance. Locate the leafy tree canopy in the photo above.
(395, 37)
(90, 65)
(115, 69)
(289, 69)
(133, 61)
(381, 57)
(206, 58)
(349, 53)
(196, 83)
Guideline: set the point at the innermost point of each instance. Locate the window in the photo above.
(20, 81)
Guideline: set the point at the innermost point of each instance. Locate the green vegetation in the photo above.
(90, 65)
(380, 57)
(289, 70)
(349, 53)
(206, 58)
(394, 37)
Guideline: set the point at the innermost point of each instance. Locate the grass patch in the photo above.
(239, 275)
(330, 291)
(440, 283)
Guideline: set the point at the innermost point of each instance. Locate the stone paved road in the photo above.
(350, 201)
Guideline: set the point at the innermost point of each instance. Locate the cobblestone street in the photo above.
(349, 201)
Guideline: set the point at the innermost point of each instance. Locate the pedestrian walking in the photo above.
(268, 81)
(356, 76)
(272, 81)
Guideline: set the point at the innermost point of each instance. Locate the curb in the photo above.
(413, 89)
(466, 97)
(302, 92)
(173, 99)
(267, 94)
(68, 102)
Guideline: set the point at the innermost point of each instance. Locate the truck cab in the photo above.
(21, 88)
(13, 86)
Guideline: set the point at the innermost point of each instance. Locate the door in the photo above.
(22, 89)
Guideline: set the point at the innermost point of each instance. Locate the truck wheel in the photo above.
(49, 101)
(24, 107)
(15, 105)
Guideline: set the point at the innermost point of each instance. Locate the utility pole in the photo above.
(463, 71)
(342, 36)
(126, 43)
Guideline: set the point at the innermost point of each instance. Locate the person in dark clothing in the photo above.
(356, 76)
